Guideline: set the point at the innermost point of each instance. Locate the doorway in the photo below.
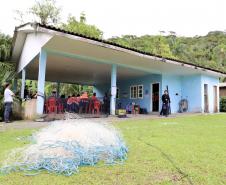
(155, 97)
(215, 104)
(206, 98)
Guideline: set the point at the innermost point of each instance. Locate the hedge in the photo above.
(223, 104)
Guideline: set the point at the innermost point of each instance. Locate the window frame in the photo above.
(138, 97)
(132, 91)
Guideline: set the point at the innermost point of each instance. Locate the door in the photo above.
(155, 97)
(215, 104)
(206, 98)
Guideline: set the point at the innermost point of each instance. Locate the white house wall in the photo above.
(191, 91)
(211, 81)
(174, 86)
(32, 46)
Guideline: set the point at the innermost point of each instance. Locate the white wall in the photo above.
(174, 84)
(211, 81)
(32, 46)
(191, 90)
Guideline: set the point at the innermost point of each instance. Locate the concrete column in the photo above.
(58, 89)
(41, 82)
(113, 89)
(23, 83)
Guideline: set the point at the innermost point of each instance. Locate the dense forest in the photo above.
(208, 51)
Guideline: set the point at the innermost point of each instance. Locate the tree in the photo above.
(82, 27)
(5, 46)
(46, 11)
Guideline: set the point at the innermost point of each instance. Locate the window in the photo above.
(136, 91)
(140, 91)
(117, 93)
(133, 92)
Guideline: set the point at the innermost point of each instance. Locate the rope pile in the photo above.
(65, 145)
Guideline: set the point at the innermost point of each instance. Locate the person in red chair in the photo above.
(60, 104)
(91, 103)
(83, 104)
(76, 103)
(70, 104)
(52, 103)
(53, 95)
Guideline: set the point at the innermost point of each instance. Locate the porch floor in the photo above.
(26, 124)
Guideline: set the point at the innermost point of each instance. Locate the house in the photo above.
(46, 53)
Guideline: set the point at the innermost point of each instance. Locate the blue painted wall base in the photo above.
(190, 87)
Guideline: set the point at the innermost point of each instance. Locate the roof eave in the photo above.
(37, 27)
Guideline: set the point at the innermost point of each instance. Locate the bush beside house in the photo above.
(223, 104)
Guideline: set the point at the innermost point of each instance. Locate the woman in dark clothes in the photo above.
(165, 104)
(106, 100)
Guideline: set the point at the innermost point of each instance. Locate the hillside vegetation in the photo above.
(208, 51)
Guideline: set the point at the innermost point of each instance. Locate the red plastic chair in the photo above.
(60, 108)
(51, 105)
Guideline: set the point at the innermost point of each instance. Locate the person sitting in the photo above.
(69, 104)
(78, 98)
(129, 108)
(61, 104)
(83, 104)
(64, 101)
(53, 95)
(76, 101)
(52, 103)
(75, 105)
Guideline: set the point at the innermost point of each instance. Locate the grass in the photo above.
(184, 150)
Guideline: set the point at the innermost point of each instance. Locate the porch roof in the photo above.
(75, 58)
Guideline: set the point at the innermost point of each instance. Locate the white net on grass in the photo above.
(65, 145)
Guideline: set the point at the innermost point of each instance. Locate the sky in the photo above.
(135, 17)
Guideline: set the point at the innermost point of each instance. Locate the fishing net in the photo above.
(65, 145)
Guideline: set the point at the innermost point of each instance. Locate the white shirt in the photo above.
(8, 95)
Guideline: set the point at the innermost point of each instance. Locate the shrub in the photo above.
(223, 104)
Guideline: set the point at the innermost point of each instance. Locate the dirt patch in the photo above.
(165, 176)
(22, 125)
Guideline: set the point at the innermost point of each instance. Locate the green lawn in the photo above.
(184, 150)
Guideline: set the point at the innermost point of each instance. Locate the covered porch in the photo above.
(109, 78)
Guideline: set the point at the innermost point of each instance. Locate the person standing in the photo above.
(8, 102)
(165, 104)
(106, 100)
(26, 93)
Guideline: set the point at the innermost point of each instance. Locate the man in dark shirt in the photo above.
(106, 100)
(165, 104)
